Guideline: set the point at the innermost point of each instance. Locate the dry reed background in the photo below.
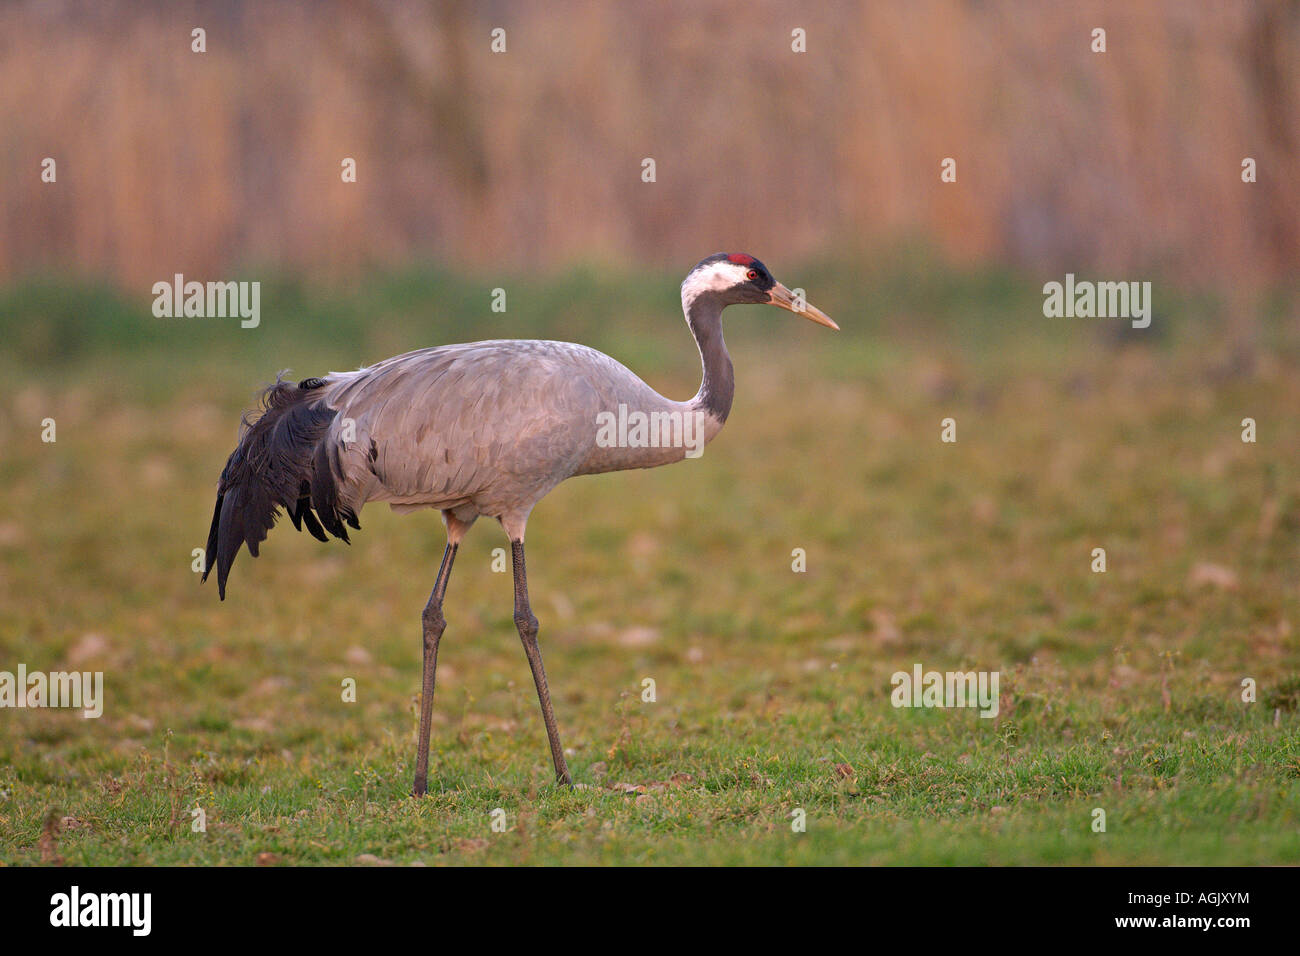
(1124, 162)
(1121, 690)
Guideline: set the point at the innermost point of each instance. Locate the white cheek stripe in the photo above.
(715, 277)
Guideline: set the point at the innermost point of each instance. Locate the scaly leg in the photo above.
(527, 626)
(434, 624)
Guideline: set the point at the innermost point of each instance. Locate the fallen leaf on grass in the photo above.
(1213, 575)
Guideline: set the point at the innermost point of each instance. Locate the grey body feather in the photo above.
(483, 428)
(488, 426)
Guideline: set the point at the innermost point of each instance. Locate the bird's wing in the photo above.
(453, 423)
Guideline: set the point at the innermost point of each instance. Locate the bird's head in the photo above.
(736, 278)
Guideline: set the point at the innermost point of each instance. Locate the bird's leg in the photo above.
(433, 624)
(527, 625)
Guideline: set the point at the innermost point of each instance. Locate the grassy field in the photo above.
(1120, 690)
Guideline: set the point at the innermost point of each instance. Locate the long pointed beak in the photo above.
(780, 295)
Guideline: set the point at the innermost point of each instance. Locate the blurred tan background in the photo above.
(522, 171)
(172, 161)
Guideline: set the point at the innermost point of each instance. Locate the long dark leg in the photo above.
(527, 625)
(434, 624)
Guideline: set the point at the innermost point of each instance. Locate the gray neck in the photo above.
(704, 316)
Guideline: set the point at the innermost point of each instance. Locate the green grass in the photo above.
(1120, 691)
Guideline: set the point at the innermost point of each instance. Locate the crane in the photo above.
(483, 428)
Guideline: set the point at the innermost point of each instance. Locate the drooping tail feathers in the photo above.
(282, 460)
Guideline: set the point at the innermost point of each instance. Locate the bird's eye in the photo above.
(751, 274)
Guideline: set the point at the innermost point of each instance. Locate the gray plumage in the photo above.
(491, 426)
(485, 428)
